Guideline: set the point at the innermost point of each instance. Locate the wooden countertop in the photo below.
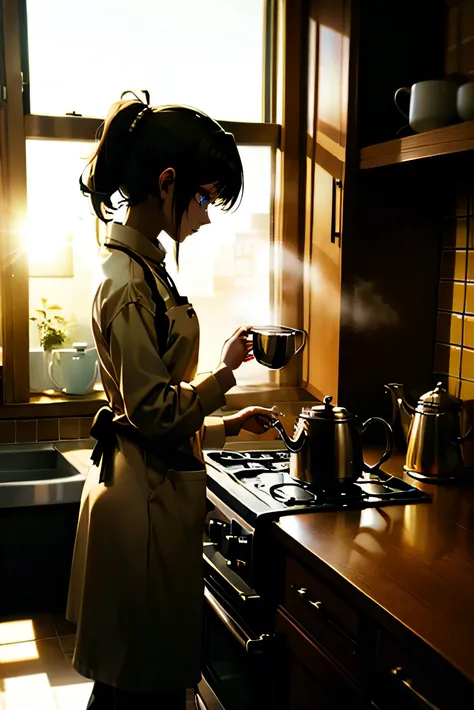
(412, 564)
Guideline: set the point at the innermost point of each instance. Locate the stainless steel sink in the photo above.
(40, 474)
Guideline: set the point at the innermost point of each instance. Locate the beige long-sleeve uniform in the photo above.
(136, 587)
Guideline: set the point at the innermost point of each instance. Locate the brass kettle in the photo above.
(433, 433)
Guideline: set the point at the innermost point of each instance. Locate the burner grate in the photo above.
(266, 475)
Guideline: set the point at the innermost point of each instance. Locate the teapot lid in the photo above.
(326, 411)
(439, 399)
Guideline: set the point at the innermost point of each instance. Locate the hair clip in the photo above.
(138, 117)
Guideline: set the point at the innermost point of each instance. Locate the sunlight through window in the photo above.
(16, 631)
(16, 652)
(31, 692)
(83, 55)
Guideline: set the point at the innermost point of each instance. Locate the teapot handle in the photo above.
(468, 435)
(389, 442)
(94, 378)
(51, 365)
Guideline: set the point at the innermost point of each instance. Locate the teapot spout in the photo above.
(293, 445)
(402, 413)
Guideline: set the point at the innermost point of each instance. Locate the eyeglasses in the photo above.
(203, 199)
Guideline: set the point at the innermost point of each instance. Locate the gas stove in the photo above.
(258, 483)
(247, 492)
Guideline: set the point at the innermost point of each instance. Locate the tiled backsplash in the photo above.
(24, 431)
(454, 355)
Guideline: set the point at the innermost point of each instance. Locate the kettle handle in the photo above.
(51, 365)
(389, 442)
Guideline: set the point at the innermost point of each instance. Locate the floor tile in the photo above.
(67, 644)
(40, 670)
(63, 627)
(16, 629)
(36, 657)
(72, 697)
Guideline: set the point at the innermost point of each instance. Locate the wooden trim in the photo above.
(44, 406)
(451, 139)
(290, 188)
(85, 129)
(13, 214)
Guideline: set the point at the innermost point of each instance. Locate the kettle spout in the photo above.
(402, 413)
(293, 445)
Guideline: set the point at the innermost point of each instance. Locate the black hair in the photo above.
(137, 142)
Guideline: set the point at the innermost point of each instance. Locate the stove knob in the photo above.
(216, 530)
(237, 549)
(244, 549)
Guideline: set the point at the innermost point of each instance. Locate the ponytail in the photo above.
(106, 164)
(137, 142)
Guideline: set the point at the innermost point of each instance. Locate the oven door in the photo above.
(239, 648)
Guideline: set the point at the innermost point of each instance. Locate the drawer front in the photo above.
(308, 678)
(326, 617)
(403, 680)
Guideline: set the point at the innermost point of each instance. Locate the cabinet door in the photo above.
(308, 679)
(328, 92)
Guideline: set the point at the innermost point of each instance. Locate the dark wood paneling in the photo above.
(408, 567)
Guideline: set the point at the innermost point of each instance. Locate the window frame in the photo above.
(284, 111)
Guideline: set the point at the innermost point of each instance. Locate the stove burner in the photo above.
(294, 494)
(266, 474)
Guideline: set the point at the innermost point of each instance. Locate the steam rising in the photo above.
(362, 308)
(365, 308)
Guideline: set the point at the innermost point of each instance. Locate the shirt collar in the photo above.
(152, 250)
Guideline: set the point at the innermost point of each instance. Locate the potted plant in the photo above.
(52, 330)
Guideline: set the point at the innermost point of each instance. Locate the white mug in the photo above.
(465, 101)
(432, 104)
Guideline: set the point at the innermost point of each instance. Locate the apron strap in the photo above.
(162, 323)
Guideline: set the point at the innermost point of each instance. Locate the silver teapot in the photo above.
(432, 432)
(326, 450)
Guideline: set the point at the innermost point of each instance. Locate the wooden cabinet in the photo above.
(325, 615)
(328, 86)
(335, 654)
(311, 681)
(402, 678)
(371, 254)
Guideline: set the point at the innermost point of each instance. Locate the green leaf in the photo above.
(54, 308)
(43, 313)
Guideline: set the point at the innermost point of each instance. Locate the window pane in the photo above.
(224, 270)
(83, 55)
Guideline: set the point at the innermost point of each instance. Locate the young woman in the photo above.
(136, 589)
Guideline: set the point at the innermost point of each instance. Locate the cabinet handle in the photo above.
(326, 617)
(336, 210)
(398, 673)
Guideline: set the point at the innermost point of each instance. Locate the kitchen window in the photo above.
(63, 68)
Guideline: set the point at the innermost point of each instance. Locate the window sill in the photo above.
(57, 404)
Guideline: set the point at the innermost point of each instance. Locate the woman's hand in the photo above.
(254, 419)
(237, 349)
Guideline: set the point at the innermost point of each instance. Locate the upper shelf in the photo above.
(452, 139)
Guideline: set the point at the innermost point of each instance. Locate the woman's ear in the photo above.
(166, 181)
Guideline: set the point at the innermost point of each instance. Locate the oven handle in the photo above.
(251, 645)
(245, 593)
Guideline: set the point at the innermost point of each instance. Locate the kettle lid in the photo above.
(439, 399)
(326, 411)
